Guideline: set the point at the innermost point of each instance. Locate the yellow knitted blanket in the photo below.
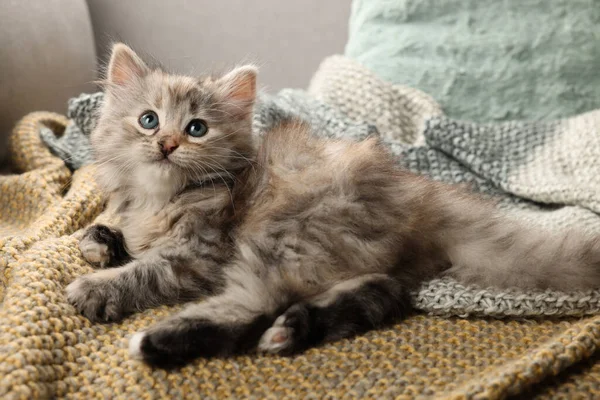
(47, 350)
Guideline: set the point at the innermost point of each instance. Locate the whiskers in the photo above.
(209, 168)
(114, 169)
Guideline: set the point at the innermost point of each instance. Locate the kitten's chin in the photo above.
(165, 163)
(159, 180)
(161, 162)
(157, 170)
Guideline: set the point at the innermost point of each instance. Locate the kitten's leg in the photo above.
(349, 308)
(229, 323)
(111, 294)
(104, 247)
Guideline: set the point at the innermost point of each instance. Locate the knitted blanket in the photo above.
(47, 350)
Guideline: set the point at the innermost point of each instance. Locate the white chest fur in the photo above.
(148, 214)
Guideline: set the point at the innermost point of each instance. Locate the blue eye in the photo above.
(196, 128)
(149, 120)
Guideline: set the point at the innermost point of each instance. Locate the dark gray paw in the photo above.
(289, 332)
(103, 247)
(96, 298)
(174, 342)
(158, 349)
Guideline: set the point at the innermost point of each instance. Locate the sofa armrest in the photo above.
(47, 55)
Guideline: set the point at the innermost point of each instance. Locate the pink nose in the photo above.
(168, 146)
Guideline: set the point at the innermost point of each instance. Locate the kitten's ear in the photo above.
(238, 88)
(125, 66)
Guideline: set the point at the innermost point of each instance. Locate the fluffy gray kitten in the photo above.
(290, 241)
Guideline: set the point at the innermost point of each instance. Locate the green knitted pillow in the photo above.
(485, 59)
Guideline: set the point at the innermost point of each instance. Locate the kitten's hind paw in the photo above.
(176, 341)
(289, 333)
(135, 345)
(276, 339)
(152, 349)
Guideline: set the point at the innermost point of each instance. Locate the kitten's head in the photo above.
(164, 131)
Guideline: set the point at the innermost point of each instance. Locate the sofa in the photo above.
(53, 50)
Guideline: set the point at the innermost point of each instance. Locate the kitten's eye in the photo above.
(149, 120)
(196, 128)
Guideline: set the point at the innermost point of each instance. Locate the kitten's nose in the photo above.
(168, 146)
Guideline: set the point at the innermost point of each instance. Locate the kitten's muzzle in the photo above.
(168, 146)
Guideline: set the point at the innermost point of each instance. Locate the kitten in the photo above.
(293, 240)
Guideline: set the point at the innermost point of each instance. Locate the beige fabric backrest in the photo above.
(47, 55)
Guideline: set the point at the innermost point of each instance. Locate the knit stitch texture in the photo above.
(72, 144)
(48, 350)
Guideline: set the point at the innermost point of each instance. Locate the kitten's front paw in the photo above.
(103, 247)
(95, 253)
(95, 298)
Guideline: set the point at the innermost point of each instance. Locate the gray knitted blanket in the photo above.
(543, 172)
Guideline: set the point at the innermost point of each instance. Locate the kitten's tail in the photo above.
(488, 248)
